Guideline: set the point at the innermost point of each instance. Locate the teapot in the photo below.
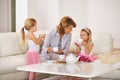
(71, 58)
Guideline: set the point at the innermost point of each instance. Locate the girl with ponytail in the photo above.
(33, 42)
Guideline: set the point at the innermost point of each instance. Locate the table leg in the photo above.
(90, 78)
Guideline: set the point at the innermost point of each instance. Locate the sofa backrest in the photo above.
(10, 44)
(103, 42)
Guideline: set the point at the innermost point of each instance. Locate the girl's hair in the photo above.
(29, 22)
(65, 22)
(89, 33)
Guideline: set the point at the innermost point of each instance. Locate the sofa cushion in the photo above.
(9, 64)
(102, 42)
(15, 76)
(111, 57)
(10, 44)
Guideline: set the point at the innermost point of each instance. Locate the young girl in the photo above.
(84, 48)
(33, 57)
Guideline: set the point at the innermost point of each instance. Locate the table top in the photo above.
(81, 69)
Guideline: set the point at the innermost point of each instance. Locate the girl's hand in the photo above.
(77, 44)
(42, 35)
(50, 49)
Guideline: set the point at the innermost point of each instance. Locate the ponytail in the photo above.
(22, 37)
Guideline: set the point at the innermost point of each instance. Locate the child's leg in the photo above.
(32, 76)
(35, 59)
(32, 58)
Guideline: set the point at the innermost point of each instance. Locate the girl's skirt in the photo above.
(87, 58)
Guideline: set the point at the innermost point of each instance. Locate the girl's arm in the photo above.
(46, 46)
(37, 40)
(78, 49)
(88, 48)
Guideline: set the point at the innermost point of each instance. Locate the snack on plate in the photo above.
(60, 62)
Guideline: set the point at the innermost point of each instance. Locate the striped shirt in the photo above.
(53, 40)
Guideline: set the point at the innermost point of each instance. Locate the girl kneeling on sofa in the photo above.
(85, 46)
(33, 56)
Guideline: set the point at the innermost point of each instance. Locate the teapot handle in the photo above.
(78, 58)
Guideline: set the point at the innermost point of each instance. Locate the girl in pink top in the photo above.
(33, 43)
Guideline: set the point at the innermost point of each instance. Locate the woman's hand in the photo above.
(60, 51)
(49, 50)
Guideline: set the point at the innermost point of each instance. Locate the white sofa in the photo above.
(12, 55)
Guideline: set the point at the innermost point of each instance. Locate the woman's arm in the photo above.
(66, 49)
(46, 46)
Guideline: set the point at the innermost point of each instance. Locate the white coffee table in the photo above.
(82, 69)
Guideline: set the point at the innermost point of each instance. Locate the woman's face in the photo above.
(68, 29)
(84, 35)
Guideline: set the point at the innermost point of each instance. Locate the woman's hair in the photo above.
(89, 33)
(64, 23)
(29, 22)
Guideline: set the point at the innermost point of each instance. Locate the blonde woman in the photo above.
(60, 38)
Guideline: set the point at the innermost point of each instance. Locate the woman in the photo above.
(60, 38)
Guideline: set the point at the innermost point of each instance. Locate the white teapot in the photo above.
(71, 58)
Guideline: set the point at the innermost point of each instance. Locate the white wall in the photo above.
(21, 13)
(5, 15)
(104, 16)
(98, 15)
(76, 9)
(45, 11)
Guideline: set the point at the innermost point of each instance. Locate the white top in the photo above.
(82, 49)
(32, 46)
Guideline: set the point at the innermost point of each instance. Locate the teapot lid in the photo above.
(71, 54)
